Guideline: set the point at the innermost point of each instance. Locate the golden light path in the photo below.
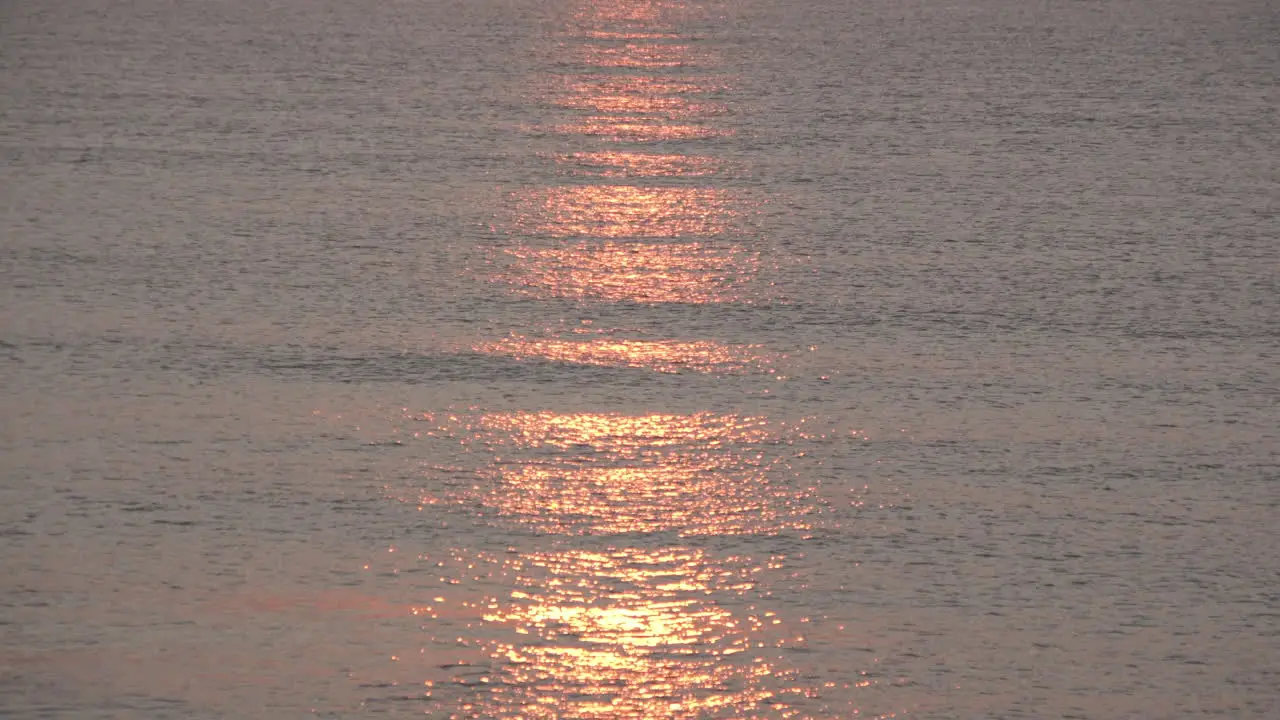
(625, 128)
(669, 107)
(651, 53)
(599, 611)
(623, 211)
(645, 84)
(642, 94)
(635, 272)
(609, 615)
(650, 243)
(664, 356)
(631, 633)
(571, 474)
(630, 435)
(623, 164)
(591, 474)
(609, 15)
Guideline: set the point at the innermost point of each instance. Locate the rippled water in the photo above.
(640, 359)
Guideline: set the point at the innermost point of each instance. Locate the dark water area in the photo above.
(639, 359)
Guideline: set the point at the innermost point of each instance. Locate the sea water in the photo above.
(639, 359)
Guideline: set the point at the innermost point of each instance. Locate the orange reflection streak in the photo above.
(640, 109)
(629, 633)
(666, 356)
(671, 108)
(568, 500)
(567, 624)
(637, 164)
(621, 211)
(703, 474)
(628, 107)
(626, 128)
(640, 88)
(637, 272)
(644, 15)
(624, 35)
(646, 55)
(627, 434)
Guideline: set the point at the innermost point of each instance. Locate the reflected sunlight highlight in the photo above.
(631, 633)
(596, 609)
(639, 15)
(665, 356)
(591, 473)
(638, 164)
(668, 108)
(626, 128)
(624, 211)
(647, 54)
(641, 90)
(634, 272)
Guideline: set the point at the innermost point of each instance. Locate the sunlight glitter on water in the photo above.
(634, 272)
(626, 128)
(1029, 251)
(624, 211)
(569, 473)
(624, 432)
(690, 496)
(703, 474)
(665, 631)
(623, 16)
(640, 94)
(636, 628)
(621, 163)
(632, 625)
(639, 55)
(627, 633)
(664, 356)
(618, 102)
(637, 91)
(640, 110)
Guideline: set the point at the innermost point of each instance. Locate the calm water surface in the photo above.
(639, 359)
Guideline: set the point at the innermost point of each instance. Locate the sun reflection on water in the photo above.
(627, 434)
(650, 54)
(642, 85)
(625, 16)
(664, 356)
(635, 272)
(613, 474)
(664, 632)
(625, 128)
(643, 93)
(598, 610)
(638, 164)
(624, 211)
(668, 107)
